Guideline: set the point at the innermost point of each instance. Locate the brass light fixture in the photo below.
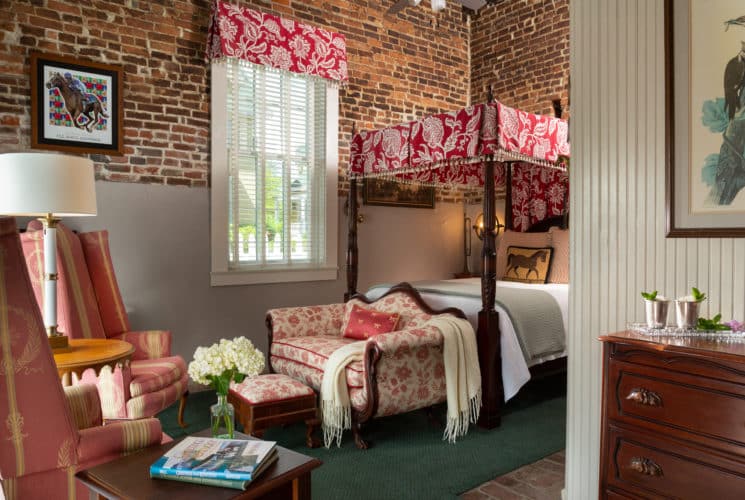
(478, 227)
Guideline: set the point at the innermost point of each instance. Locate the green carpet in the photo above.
(408, 459)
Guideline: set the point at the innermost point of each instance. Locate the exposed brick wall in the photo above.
(166, 100)
(400, 68)
(521, 49)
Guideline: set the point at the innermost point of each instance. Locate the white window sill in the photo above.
(240, 277)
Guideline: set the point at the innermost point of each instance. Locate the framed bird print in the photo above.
(76, 105)
(705, 115)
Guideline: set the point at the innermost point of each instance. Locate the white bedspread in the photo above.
(515, 372)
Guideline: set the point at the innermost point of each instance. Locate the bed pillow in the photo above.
(365, 323)
(559, 272)
(518, 239)
(528, 265)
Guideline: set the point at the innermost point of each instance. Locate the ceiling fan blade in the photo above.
(400, 4)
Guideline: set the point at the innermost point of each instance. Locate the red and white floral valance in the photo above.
(449, 148)
(269, 40)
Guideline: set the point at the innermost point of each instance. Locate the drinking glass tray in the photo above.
(674, 331)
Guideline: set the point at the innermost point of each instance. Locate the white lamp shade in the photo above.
(37, 184)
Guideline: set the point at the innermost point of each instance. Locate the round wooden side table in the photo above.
(91, 353)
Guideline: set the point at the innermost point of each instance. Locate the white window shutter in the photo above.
(277, 163)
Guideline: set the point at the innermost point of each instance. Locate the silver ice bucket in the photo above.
(686, 314)
(656, 313)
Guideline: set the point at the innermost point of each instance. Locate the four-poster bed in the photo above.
(469, 148)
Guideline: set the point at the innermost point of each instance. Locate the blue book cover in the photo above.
(231, 459)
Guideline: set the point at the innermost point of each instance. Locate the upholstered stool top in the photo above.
(270, 387)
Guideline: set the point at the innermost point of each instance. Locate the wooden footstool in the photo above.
(270, 400)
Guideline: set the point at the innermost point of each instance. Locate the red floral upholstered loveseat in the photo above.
(400, 371)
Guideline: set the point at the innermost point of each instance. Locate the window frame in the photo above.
(221, 274)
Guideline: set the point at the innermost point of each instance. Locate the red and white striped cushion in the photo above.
(95, 247)
(152, 375)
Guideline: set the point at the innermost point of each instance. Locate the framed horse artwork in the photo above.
(76, 105)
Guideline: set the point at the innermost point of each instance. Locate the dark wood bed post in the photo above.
(508, 195)
(352, 250)
(488, 335)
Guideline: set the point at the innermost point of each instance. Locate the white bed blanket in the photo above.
(515, 370)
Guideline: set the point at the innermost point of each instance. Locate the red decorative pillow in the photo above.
(365, 323)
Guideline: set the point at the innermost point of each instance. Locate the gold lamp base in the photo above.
(59, 343)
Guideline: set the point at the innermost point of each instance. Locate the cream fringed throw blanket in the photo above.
(335, 406)
(462, 374)
(462, 378)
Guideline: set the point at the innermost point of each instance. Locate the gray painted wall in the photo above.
(161, 251)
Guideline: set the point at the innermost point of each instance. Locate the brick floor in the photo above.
(542, 480)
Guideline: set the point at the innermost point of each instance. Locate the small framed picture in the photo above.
(76, 105)
(394, 194)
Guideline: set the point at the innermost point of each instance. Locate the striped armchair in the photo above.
(89, 305)
(48, 433)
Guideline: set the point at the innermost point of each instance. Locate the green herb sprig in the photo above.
(650, 295)
(697, 295)
(713, 324)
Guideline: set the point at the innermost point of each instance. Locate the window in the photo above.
(274, 175)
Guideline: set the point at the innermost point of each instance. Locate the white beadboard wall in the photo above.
(618, 244)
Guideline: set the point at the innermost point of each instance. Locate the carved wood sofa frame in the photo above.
(372, 355)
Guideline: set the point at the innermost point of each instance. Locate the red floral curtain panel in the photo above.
(537, 194)
(269, 40)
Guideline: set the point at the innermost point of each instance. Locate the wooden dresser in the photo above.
(673, 421)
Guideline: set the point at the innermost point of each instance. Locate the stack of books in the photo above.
(230, 463)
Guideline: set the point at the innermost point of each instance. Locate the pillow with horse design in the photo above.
(517, 239)
(527, 265)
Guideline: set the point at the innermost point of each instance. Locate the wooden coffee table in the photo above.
(129, 478)
(91, 353)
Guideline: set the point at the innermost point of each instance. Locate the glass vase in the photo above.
(223, 418)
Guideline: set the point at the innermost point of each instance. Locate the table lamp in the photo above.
(47, 186)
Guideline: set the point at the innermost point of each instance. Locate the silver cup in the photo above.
(657, 312)
(686, 314)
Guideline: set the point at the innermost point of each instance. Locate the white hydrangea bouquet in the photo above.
(218, 365)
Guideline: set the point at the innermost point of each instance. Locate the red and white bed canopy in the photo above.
(449, 149)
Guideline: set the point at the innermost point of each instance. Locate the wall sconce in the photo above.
(479, 226)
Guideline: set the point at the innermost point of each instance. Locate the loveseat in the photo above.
(401, 370)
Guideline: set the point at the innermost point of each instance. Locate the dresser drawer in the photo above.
(710, 410)
(647, 467)
(614, 495)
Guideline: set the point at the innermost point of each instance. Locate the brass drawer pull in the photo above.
(645, 466)
(644, 397)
